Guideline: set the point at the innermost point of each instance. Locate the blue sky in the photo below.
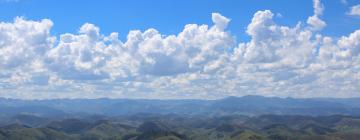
(179, 49)
(169, 17)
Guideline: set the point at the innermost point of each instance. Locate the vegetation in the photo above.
(177, 127)
(233, 118)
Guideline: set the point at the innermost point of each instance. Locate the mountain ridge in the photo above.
(247, 105)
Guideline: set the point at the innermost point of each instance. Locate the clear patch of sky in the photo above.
(170, 16)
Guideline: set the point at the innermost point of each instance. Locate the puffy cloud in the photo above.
(318, 7)
(271, 43)
(201, 61)
(285, 60)
(79, 57)
(314, 21)
(23, 45)
(351, 43)
(220, 21)
(23, 41)
(354, 10)
(194, 49)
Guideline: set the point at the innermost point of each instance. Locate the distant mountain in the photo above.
(246, 105)
(255, 105)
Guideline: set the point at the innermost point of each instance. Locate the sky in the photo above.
(179, 49)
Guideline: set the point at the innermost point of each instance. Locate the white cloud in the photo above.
(354, 10)
(271, 43)
(314, 21)
(79, 57)
(352, 43)
(201, 61)
(22, 47)
(318, 7)
(220, 21)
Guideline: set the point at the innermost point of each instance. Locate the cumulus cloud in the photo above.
(22, 47)
(202, 61)
(79, 57)
(314, 21)
(318, 7)
(354, 10)
(220, 21)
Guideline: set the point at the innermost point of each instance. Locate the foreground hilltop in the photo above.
(176, 127)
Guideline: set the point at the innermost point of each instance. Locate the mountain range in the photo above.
(246, 105)
(231, 118)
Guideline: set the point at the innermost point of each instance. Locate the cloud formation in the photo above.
(354, 10)
(315, 21)
(202, 61)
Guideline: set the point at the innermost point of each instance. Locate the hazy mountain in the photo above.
(247, 105)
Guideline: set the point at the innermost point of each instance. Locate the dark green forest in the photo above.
(177, 127)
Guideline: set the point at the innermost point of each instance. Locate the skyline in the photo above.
(266, 54)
